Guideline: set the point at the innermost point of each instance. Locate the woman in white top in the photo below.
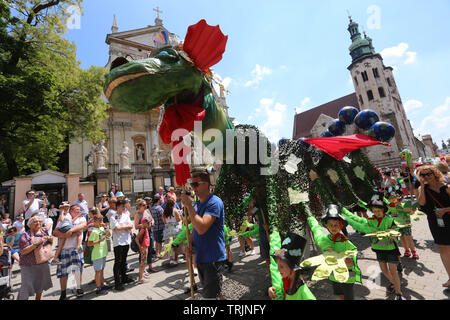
(171, 218)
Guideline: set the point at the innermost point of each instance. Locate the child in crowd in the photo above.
(97, 239)
(334, 223)
(66, 219)
(143, 242)
(246, 226)
(386, 248)
(6, 220)
(228, 238)
(288, 260)
(401, 216)
(12, 240)
(19, 224)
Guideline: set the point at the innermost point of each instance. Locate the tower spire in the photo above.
(114, 27)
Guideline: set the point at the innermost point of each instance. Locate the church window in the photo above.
(381, 92)
(370, 95)
(375, 73)
(364, 76)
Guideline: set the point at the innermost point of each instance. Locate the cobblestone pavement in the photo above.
(248, 280)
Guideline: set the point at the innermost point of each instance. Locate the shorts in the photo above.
(99, 264)
(12, 252)
(71, 261)
(211, 278)
(158, 235)
(405, 231)
(388, 256)
(345, 289)
(263, 244)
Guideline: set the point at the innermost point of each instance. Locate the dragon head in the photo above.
(170, 75)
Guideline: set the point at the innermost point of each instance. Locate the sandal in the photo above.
(415, 255)
(151, 270)
(407, 253)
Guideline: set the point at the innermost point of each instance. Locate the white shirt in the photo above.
(34, 208)
(84, 207)
(71, 243)
(122, 237)
(53, 212)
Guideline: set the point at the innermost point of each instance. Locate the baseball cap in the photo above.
(119, 194)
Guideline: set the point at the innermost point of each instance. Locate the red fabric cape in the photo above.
(338, 147)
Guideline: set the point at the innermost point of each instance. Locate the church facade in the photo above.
(375, 89)
(133, 137)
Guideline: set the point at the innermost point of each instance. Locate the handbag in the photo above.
(43, 253)
(134, 246)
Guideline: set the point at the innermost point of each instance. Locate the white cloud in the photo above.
(258, 74)
(303, 105)
(225, 82)
(274, 118)
(437, 122)
(398, 55)
(412, 106)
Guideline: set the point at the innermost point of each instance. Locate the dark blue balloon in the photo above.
(347, 114)
(303, 142)
(336, 127)
(383, 131)
(366, 119)
(326, 134)
(282, 140)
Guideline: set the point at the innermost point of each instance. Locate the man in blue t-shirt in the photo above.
(208, 218)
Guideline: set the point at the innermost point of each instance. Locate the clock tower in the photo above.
(376, 89)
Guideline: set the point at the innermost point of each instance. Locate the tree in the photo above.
(46, 99)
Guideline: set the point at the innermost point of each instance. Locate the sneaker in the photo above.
(242, 254)
(119, 288)
(399, 297)
(106, 287)
(63, 296)
(129, 270)
(252, 253)
(415, 255)
(101, 291)
(80, 292)
(188, 289)
(407, 253)
(173, 263)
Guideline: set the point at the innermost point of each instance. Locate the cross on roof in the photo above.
(157, 11)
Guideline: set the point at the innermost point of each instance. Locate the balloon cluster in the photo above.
(367, 120)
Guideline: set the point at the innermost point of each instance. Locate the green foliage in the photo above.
(47, 101)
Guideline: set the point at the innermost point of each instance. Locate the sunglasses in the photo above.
(426, 174)
(196, 184)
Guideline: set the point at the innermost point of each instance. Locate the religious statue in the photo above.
(155, 157)
(101, 155)
(140, 153)
(125, 157)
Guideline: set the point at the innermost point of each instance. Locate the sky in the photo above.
(289, 56)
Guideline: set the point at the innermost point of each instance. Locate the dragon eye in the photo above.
(167, 55)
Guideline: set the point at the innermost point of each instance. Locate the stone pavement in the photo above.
(248, 280)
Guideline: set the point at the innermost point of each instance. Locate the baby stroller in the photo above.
(5, 276)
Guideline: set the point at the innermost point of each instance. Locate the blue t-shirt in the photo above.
(210, 247)
(16, 240)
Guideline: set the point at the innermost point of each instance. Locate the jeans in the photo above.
(120, 259)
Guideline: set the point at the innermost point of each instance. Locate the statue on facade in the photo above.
(125, 157)
(101, 155)
(140, 153)
(155, 157)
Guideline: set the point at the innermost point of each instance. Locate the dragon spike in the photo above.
(204, 44)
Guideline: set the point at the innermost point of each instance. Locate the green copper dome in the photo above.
(360, 47)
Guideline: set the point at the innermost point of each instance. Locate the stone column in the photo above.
(23, 184)
(102, 180)
(73, 186)
(126, 178)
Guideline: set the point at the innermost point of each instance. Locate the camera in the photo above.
(188, 193)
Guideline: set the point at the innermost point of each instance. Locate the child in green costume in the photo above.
(401, 213)
(339, 243)
(229, 261)
(386, 248)
(288, 260)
